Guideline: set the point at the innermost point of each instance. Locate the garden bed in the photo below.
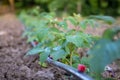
(14, 65)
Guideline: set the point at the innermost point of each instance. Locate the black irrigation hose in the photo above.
(81, 76)
(73, 71)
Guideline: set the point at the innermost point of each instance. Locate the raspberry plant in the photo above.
(56, 39)
(60, 42)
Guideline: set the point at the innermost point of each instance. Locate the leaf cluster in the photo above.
(56, 39)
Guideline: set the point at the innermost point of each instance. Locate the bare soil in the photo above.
(14, 65)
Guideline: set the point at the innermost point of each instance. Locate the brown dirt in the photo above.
(14, 65)
(4, 9)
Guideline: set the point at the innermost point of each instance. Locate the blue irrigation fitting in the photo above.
(73, 71)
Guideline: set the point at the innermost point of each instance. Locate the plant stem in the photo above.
(71, 54)
(68, 62)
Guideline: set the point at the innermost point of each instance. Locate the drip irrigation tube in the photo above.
(73, 71)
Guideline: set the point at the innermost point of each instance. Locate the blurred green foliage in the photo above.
(104, 51)
(85, 7)
(107, 7)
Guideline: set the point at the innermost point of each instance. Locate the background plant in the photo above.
(84, 7)
(105, 51)
(101, 7)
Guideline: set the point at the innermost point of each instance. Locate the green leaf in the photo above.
(32, 38)
(75, 65)
(107, 19)
(103, 53)
(44, 55)
(111, 32)
(57, 48)
(76, 58)
(63, 24)
(67, 50)
(73, 20)
(80, 39)
(35, 51)
(58, 54)
(75, 39)
(83, 24)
